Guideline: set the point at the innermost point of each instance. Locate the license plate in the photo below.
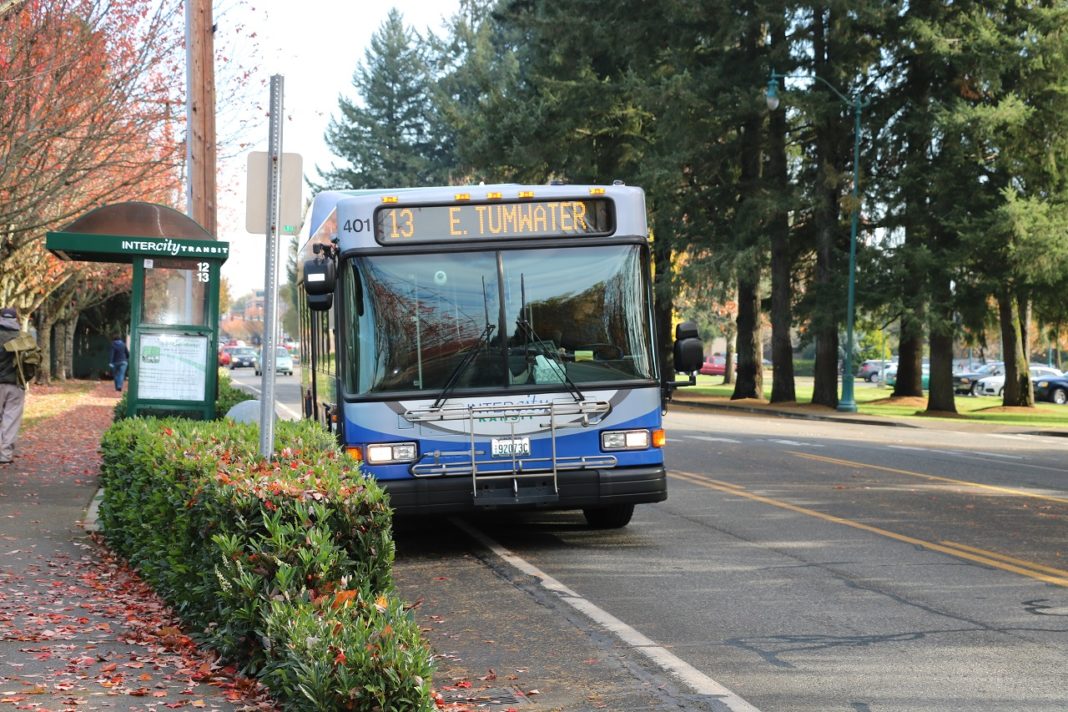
(509, 447)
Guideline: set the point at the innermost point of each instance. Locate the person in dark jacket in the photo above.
(12, 393)
(119, 360)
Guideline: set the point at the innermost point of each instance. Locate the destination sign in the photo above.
(483, 221)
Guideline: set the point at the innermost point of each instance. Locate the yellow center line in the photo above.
(1024, 568)
(1009, 559)
(934, 478)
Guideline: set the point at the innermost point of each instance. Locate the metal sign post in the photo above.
(267, 353)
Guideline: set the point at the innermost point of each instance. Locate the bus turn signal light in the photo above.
(659, 437)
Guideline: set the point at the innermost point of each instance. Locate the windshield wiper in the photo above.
(468, 358)
(534, 340)
(483, 339)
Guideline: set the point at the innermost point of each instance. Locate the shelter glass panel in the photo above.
(176, 292)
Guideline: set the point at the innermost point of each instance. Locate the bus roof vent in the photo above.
(618, 182)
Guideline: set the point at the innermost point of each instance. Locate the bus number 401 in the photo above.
(357, 225)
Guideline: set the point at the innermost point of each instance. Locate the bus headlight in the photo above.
(389, 453)
(625, 440)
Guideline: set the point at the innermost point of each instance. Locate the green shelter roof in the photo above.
(123, 231)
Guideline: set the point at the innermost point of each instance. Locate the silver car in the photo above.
(995, 385)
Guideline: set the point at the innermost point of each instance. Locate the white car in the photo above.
(283, 362)
(995, 385)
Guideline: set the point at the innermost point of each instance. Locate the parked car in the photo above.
(890, 376)
(872, 370)
(995, 385)
(283, 362)
(241, 356)
(966, 382)
(1053, 389)
(715, 365)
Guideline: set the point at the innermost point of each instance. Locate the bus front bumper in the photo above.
(578, 489)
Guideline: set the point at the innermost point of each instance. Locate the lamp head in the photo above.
(772, 94)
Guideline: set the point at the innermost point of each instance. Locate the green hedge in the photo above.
(282, 565)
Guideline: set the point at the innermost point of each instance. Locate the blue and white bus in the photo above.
(489, 346)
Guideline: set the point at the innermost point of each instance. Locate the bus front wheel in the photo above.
(612, 517)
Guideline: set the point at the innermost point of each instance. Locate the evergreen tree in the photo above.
(386, 135)
(1008, 129)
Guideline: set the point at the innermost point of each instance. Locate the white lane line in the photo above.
(293, 415)
(711, 439)
(795, 443)
(683, 671)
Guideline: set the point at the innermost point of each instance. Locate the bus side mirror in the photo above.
(689, 352)
(320, 279)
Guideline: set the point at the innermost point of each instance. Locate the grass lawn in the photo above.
(53, 399)
(875, 400)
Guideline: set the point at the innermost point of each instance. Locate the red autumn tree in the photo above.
(87, 103)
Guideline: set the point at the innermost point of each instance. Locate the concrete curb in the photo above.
(91, 521)
(777, 413)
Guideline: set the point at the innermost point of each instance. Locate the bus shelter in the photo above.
(174, 320)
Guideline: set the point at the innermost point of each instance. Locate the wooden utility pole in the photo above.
(200, 114)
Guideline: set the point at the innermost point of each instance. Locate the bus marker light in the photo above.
(494, 195)
(526, 194)
(389, 199)
(462, 196)
(596, 191)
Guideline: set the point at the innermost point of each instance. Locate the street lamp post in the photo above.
(848, 403)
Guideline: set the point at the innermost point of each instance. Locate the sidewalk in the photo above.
(79, 631)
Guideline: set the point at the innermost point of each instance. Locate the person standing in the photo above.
(119, 360)
(12, 392)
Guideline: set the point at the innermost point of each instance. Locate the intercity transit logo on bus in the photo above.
(170, 247)
(509, 417)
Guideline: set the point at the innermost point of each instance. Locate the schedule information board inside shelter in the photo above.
(172, 367)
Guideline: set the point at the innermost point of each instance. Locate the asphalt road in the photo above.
(802, 565)
(819, 566)
(286, 389)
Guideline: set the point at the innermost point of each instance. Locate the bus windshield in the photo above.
(499, 319)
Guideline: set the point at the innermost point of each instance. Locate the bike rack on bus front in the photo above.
(533, 479)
